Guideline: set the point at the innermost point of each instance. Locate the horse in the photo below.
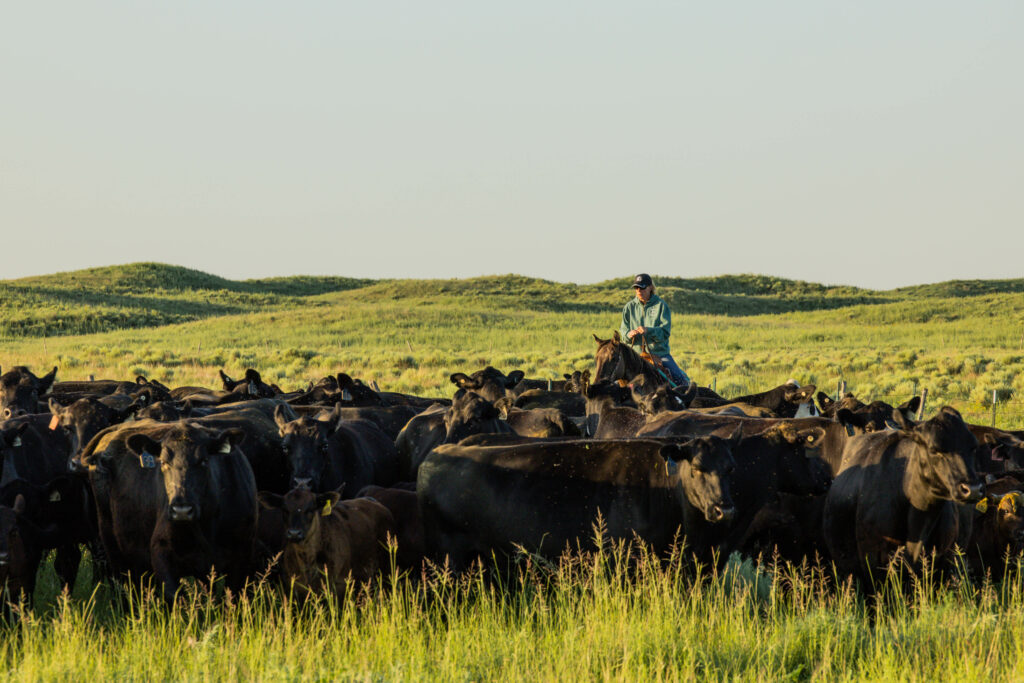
(615, 360)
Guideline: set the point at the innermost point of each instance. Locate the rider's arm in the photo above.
(662, 327)
(626, 325)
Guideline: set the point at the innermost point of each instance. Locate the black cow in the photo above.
(998, 450)
(785, 400)
(86, 417)
(489, 382)
(997, 533)
(177, 500)
(390, 419)
(251, 387)
(783, 459)
(327, 454)
(899, 488)
(22, 543)
(546, 497)
(418, 437)
(20, 391)
(538, 422)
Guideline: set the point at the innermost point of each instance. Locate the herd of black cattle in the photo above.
(309, 485)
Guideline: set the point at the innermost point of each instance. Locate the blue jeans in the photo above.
(674, 371)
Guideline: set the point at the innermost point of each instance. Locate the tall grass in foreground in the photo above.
(586, 617)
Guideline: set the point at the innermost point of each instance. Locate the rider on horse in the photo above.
(647, 321)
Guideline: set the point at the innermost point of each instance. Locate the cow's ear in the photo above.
(142, 444)
(513, 378)
(228, 383)
(690, 394)
(901, 421)
(567, 376)
(252, 375)
(54, 406)
(328, 498)
(850, 420)
(811, 438)
(462, 380)
(503, 405)
(799, 394)
(227, 440)
(825, 402)
(141, 379)
(279, 417)
(269, 500)
(45, 384)
(345, 381)
(909, 408)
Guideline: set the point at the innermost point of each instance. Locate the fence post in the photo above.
(549, 384)
(714, 384)
(924, 399)
(915, 389)
(995, 396)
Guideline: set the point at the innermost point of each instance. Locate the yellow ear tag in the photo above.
(982, 505)
(1009, 503)
(326, 512)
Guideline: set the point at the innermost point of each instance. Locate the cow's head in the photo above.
(306, 444)
(183, 459)
(354, 393)
(302, 511)
(665, 398)
(20, 391)
(800, 398)
(704, 468)
(577, 382)
(1000, 451)
(489, 382)
(800, 469)
(251, 387)
(946, 458)
(469, 414)
(85, 418)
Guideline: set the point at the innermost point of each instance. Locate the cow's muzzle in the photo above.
(295, 534)
(5, 558)
(183, 512)
(720, 514)
(968, 493)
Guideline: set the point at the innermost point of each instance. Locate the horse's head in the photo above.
(610, 358)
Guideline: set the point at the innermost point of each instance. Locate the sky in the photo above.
(875, 144)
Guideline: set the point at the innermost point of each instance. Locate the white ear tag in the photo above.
(55, 496)
(16, 442)
(147, 461)
(225, 447)
(346, 395)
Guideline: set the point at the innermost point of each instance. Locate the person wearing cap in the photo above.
(647, 317)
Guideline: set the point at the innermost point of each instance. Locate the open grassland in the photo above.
(960, 340)
(583, 619)
(580, 620)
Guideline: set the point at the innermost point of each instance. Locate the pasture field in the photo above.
(580, 620)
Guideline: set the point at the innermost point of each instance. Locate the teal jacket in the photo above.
(655, 317)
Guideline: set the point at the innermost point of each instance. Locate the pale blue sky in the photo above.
(870, 143)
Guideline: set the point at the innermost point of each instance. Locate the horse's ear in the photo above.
(615, 337)
(599, 340)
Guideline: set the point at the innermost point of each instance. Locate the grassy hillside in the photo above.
(739, 332)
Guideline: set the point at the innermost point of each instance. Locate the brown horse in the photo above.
(618, 361)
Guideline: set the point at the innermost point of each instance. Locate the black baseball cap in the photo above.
(642, 281)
